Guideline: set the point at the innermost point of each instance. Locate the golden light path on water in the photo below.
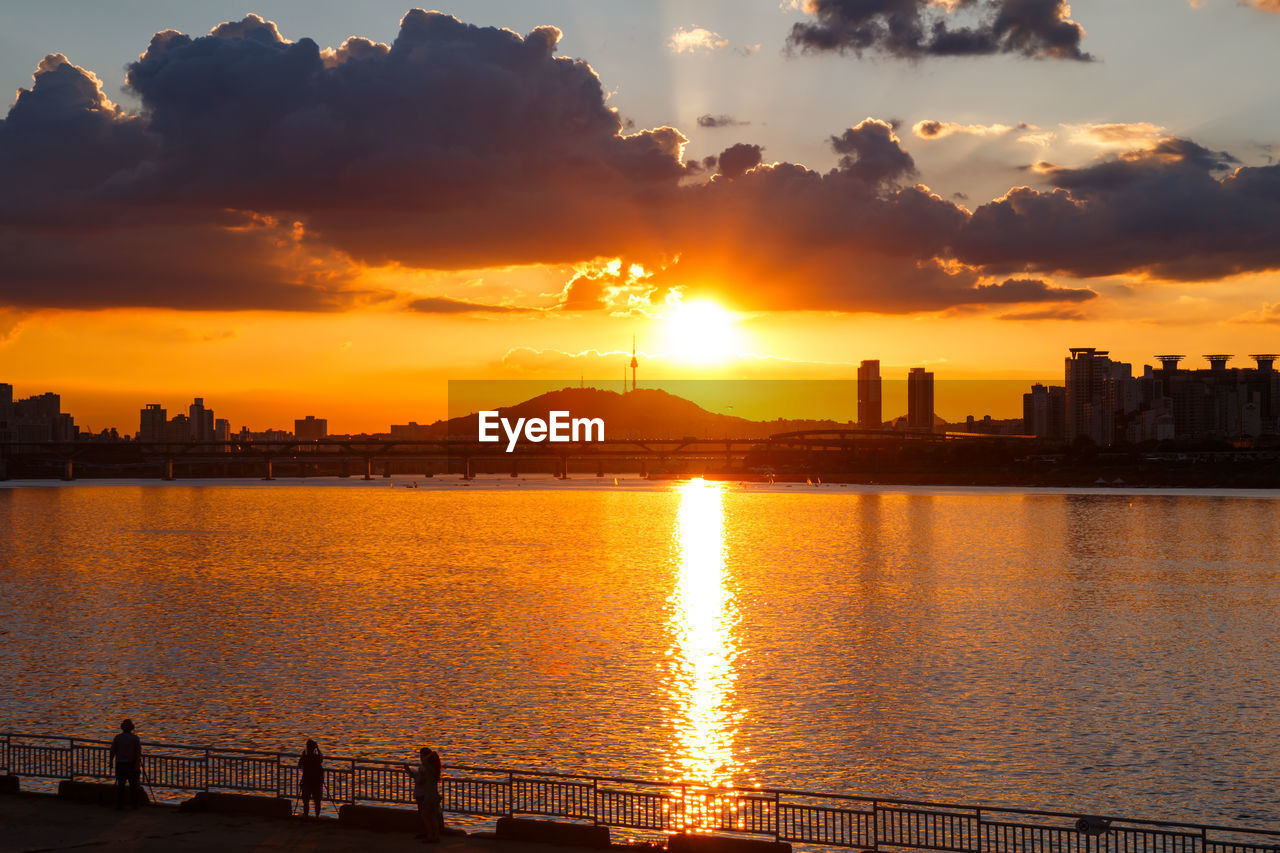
(702, 624)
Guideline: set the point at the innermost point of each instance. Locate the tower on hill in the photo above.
(634, 365)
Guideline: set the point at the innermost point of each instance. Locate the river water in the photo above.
(1094, 652)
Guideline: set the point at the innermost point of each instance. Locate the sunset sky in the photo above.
(334, 208)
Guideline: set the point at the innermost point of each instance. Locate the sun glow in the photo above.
(701, 332)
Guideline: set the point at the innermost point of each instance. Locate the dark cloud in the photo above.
(871, 154)
(1029, 290)
(470, 129)
(929, 129)
(738, 159)
(264, 173)
(67, 238)
(448, 305)
(914, 29)
(1164, 211)
(714, 121)
(454, 146)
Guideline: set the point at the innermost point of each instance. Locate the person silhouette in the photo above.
(426, 793)
(312, 785)
(126, 753)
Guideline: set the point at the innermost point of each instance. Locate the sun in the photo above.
(700, 332)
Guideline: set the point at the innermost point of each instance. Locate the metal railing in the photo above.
(803, 817)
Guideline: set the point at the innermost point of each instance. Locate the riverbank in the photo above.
(41, 822)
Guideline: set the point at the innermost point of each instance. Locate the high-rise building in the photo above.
(38, 418)
(920, 400)
(152, 423)
(178, 429)
(1089, 412)
(870, 415)
(222, 431)
(200, 420)
(1044, 412)
(310, 428)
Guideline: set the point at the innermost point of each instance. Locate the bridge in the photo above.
(641, 806)
(366, 457)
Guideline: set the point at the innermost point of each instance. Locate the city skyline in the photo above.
(772, 193)
(1100, 397)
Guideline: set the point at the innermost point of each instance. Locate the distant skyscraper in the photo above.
(870, 414)
(1088, 408)
(200, 420)
(920, 400)
(1044, 412)
(152, 422)
(38, 418)
(311, 428)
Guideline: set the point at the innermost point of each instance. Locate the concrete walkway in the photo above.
(39, 822)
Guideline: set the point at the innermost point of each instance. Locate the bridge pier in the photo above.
(68, 470)
(368, 468)
(268, 474)
(467, 473)
(644, 468)
(167, 473)
(600, 468)
(386, 468)
(562, 472)
(515, 467)
(342, 468)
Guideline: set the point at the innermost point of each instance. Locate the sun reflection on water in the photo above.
(702, 622)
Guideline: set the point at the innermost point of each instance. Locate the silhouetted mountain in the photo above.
(643, 413)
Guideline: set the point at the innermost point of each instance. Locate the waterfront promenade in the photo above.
(41, 822)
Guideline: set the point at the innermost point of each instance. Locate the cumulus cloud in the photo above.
(738, 159)
(454, 146)
(715, 121)
(872, 154)
(695, 40)
(1265, 5)
(913, 29)
(614, 285)
(264, 172)
(1166, 211)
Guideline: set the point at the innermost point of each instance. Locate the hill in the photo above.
(643, 413)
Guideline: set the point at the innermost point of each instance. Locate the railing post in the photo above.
(875, 825)
(207, 770)
(777, 823)
(595, 801)
(978, 828)
(71, 760)
(511, 793)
